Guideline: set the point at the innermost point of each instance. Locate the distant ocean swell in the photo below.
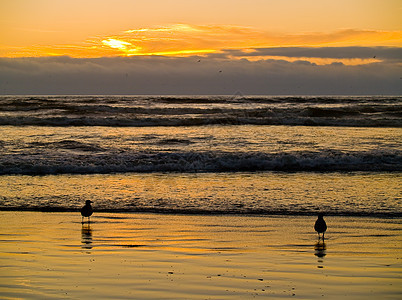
(142, 162)
(137, 111)
(228, 120)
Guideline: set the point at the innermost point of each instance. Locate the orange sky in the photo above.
(186, 27)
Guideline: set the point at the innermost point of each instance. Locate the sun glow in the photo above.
(113, 43)
(126, 48)
(202, 40)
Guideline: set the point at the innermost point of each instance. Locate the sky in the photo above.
(200, 47)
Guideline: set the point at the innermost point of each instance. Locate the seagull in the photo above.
(86, 211)
(320, 226)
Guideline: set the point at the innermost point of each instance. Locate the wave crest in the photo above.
(146, 162)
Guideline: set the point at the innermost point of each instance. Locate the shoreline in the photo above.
(185, 212)
(166, 256)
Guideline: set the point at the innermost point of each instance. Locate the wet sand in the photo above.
(153, 256)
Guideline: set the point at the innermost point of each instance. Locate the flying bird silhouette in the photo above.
(86, 211)
(320, 226)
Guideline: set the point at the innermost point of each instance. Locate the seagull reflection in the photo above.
(86, 237)
(320, 249)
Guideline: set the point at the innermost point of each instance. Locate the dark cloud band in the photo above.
(204, 75)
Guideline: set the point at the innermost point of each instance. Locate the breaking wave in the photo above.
(147, 162)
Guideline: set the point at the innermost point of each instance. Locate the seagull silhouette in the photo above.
(320, 226)
(86, 211)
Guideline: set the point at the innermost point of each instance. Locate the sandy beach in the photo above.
(154, 256)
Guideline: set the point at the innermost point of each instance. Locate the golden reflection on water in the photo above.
(320, 249)
(226, 192)
(86, 236)
(222, 138)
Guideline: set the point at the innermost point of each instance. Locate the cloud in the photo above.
(187, 39)
(179, 37)
(384, 53)
(322, 55)
(215, 74)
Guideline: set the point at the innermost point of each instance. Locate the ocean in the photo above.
(268, 155)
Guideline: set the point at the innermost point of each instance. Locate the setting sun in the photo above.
(112, 43)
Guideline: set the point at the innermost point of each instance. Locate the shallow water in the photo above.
(154, 256)
(357, 193)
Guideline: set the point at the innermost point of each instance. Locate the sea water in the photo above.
(202, 154)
